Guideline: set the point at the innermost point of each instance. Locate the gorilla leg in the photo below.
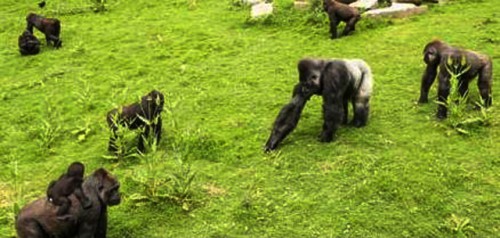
(350, 25)
(463, 87)
(143, 138)
(64, 204)
(346, 111)
(443, 92)
(333, 111)
(112, 147)
(361, 111)
(86, 202)
(333, 26)
(157, 130)
(484, 84)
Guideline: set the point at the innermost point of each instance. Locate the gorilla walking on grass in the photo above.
(338, 81)
(338, 12)
(145, 114)
(439, 54)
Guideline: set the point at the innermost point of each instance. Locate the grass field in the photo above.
(225, 79)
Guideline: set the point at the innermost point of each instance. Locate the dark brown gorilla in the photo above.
(51, 27)
(69, 183)
(338, 12)
(28, 43)
(437, 54)
(416, 2)
(132, 117)
(346, 1)
(39, 218)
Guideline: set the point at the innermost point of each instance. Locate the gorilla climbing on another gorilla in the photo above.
(133, 117)
(39, 218)
(338, 82)
(437, 54)
(69, 183)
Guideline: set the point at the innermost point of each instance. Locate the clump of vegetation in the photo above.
(459, 117)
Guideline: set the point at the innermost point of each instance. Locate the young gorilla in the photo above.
(438, 53)
(51, 27)
(28, 44)
(132, 117)
(338, 12)
(69, 183)
(338, 82)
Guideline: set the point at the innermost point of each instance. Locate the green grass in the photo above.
(225, 79)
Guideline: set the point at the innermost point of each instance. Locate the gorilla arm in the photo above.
(289, 116)
(427, 79)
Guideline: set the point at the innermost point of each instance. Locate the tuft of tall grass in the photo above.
(459, 119)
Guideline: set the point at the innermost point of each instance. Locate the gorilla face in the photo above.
(430, 55)
(310, 75)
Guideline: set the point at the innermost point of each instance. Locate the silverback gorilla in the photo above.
(438, 53)
(133, 116)
(28, 43)
(338, 81)
(39, 218)
(51, 27)
(69, 183)
(338, 12)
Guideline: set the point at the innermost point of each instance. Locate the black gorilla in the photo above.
(438, 53)
(39, 219)
(338, 82)
(338, 12)
(28, 43)
(132, 117)
(69, 183)
(51, 27)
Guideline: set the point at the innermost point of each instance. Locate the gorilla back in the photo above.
(338, 82)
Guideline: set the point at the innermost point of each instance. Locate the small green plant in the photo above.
(460, 227)
(157, 186)
(48, 130)
(181, 188)
(85, 97)
(14, 195)
(152, 181)
(124, 140)
(458, 119)
(99, 5)
(82, 132)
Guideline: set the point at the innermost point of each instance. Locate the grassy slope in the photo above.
(401, 176)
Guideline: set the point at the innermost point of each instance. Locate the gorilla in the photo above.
(338, 12)
(133, 116)
(28, 43)
(39, 218)
(51, 27)
(69, 183)
(438, 53)
(346, 1)
(41, 4)
(338, 81)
